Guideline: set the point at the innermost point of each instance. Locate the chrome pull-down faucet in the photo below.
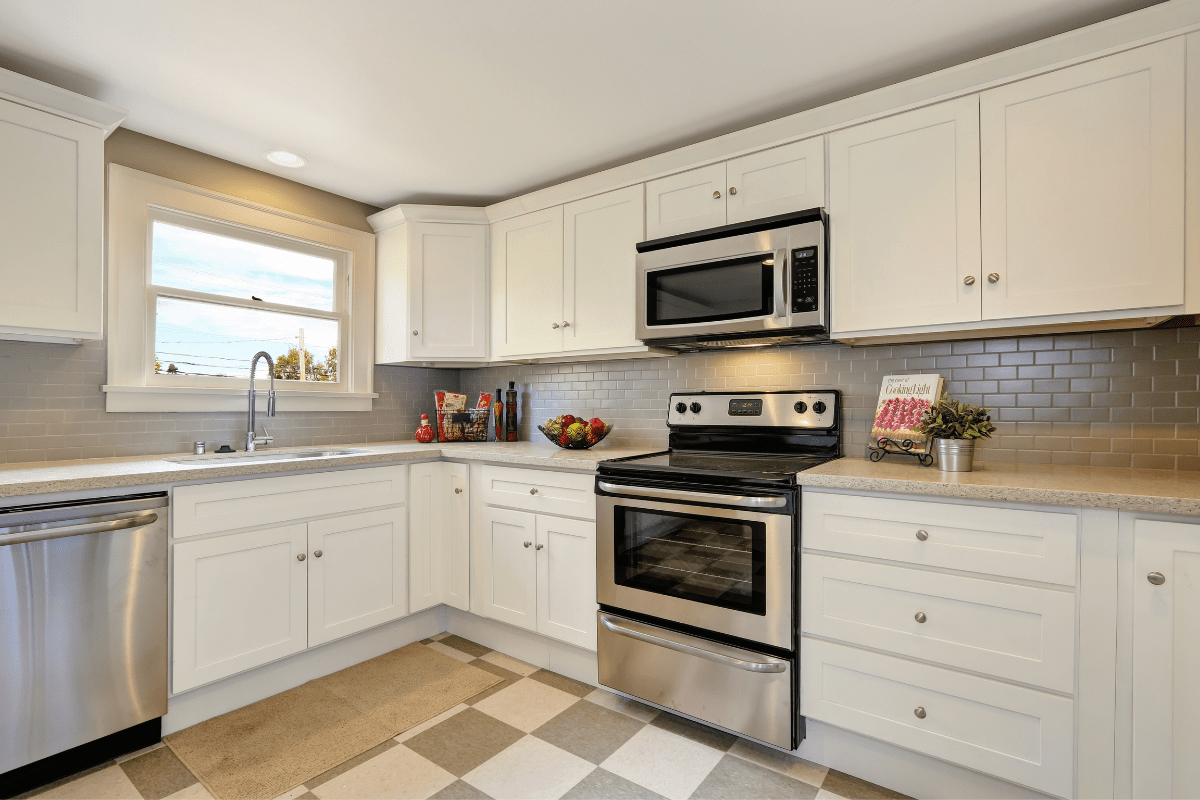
(252, 441)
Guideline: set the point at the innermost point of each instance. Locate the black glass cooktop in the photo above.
(772, 467)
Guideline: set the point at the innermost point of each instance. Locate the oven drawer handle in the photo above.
(699, 497)
(728, 661)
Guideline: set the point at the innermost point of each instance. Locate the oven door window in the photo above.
(711, 560)
(736, 288)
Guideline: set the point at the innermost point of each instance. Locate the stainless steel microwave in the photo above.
(757, 283)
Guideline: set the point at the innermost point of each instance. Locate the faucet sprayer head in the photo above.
(271, 403)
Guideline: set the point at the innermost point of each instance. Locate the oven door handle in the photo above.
(699, 497)
(611, 624)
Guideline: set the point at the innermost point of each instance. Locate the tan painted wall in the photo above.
(145, 153)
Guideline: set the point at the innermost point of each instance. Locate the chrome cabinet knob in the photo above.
(566, 324)
(528, 543)
(1157, 578)
(414, 333)
(458, 490)
(733, 190)
(922, 536)
(300, 557)
(993, 277)
(969, 280)
(716, 195)
(555, 326)
(539, 547)
(920, 617)
(920, 712)
(533, 491)
(317, 553)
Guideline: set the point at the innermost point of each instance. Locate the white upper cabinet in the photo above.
(431, 279)
(51, 213)
(527, 283)
(904, 218)
(776, 181)
(599, 238)
(1083, 187)
(762, 184)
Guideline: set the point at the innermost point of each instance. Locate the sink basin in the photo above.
(258, 456)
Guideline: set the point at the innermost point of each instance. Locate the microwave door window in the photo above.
(709, 560)
(736, 288)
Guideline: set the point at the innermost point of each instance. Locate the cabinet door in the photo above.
(424, 566)
(904, 219)
(456, 537)
(1166, 660)
(357, 576)
(240, 601)
(1083, 170)
(51, 213)
(507, 567)
(566, 580)
(448, 290)
(690, 201)
(527, 284)
(600, 234)
(776, 181)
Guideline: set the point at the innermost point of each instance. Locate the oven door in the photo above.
(722, 569)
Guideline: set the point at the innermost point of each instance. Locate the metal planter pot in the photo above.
(955, 455)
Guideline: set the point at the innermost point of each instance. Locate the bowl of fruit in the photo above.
(575, 433)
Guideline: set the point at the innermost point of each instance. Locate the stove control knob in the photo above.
(819, 407)
(800, 406)
(695, 408)
(681, 407)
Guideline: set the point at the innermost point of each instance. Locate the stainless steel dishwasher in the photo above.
(83, 624)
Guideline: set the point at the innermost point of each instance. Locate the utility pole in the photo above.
(303, 372)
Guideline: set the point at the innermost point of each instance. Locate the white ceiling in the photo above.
(467, 101)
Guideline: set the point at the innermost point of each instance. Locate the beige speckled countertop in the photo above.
(46, 477)
(1150, 490)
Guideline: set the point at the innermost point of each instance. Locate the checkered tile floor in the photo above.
(536, 734)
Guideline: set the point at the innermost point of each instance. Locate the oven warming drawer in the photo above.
(736, 689)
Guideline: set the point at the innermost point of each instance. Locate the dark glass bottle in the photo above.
(510, 412)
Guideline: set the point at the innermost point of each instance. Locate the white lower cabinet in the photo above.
(538, 572)
(439, 535)
(1166, 659)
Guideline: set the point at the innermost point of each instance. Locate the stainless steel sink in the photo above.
(259, 456)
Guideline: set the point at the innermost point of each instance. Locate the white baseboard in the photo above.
(205, 702)
(527, 646)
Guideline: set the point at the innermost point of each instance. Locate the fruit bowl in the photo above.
(593, 432)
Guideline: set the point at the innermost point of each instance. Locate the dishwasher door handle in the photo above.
(699, 497)
(739, 663)
(23, 534)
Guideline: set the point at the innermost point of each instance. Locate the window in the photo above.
(218, 280)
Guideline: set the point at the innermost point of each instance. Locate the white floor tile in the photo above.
(293, 793)
(394, 773)
(531, 769)
(509, 663)
(527, 704)
(429, 723)
(827, 795)
(110, 783)
(437, 637)
(197, 792)
(614, 702)
(453, 652)
(663, 762)
(798, 768)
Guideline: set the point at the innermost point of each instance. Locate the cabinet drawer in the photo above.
(1034, 545)
(235, 505)
(1018, 734)
(568, 494)
(1016, 632)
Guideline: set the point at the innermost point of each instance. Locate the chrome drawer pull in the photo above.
(533, 491)
(922, 536)
(528, 543)
(920, 617)
(1157, 578)
(729, 661)
(920, 712)
(300, 557)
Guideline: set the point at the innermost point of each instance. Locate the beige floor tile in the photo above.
(509, 663)
(630, 708)
(110, 783)
(396, 773)
(527, 704)
(825, 794)
(531, 769)
(784, 763)
(292, 794)
(429, 723)
(453, 652)
(197, 792)
(663, 762)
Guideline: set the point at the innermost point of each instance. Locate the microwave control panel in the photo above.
(805, 289)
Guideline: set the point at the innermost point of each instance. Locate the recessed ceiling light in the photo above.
(285, 159)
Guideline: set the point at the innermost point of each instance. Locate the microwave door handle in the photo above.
(781, 304)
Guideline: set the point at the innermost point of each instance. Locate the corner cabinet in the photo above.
(431, 285)
(439, 535)
(762, 184)
(51, 213)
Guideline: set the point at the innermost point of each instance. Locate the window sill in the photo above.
(188, 398)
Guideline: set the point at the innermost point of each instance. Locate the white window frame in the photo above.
(135, 201)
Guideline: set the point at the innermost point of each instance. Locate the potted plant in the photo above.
(954, 427)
